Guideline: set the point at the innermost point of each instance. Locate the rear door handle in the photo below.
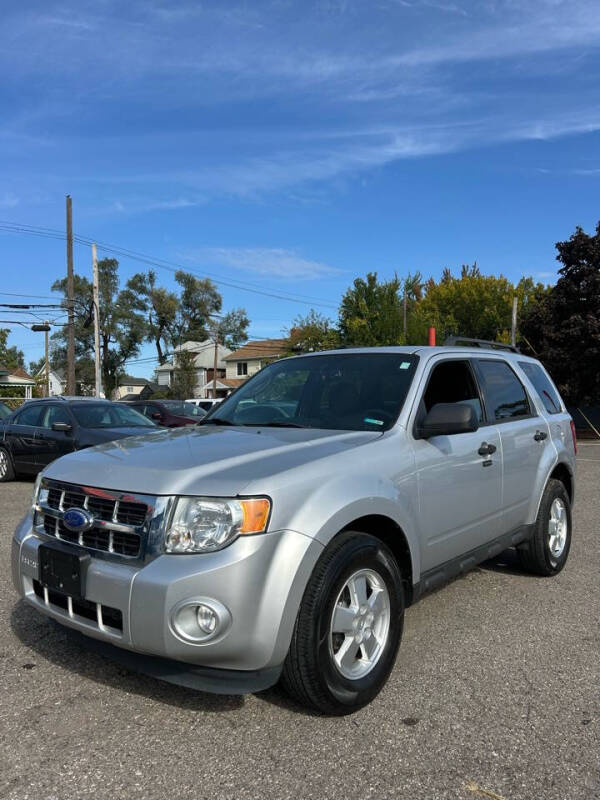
(539, 436)
(486, 449)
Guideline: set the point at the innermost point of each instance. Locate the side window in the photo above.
(29, 416)
(503, 392)
(54, 414)
(543, 386)
(452, 382)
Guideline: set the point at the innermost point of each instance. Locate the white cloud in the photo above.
(274, 261)
(238, 99)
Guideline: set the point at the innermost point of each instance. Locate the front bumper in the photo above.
(259, 579)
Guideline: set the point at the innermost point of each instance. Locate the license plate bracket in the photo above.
(63, 569)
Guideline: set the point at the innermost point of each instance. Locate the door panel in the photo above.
(20, 436)
(509, 406)
(460, 491)
(460, 494)
(522, 455)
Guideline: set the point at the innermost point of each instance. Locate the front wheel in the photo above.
(547, 551)
(348, 627)
(7, 472)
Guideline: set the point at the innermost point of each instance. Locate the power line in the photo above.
(30, 296)
(164, 264)
(28, 322)
(30, 305)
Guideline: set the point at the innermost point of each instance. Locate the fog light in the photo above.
(207, 619)
(200, 619)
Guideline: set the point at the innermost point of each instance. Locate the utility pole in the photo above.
(96, 320)
(47, 364)
(513, 331)
(215, 363)
(70, 303)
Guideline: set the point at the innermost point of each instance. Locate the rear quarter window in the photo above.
(543, 386)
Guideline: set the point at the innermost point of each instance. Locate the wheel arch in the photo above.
(391, 534)
(561, 471)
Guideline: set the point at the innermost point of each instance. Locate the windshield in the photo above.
(353, 392)
(5, 411)
(107, 415)
(183, 409)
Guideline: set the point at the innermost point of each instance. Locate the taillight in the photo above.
(574, 437)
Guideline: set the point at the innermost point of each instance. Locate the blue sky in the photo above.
(291, 146)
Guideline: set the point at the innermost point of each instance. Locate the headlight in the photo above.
(36, 490)
(204, 524)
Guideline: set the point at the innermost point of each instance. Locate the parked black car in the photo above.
(169, 413)
(43, 430)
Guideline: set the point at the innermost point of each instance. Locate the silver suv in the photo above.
(284, 536)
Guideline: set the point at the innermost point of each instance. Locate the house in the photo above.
(204, 355)
(15, 383)
(130, 388)
(252, 357)
(57, 380)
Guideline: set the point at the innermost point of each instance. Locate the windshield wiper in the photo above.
(215, 421)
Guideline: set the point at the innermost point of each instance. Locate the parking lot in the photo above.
(496, 693)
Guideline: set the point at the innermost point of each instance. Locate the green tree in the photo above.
(121, 322)
(198, 301)
(563, 326)
(474, 305)
(231, 329)
(10, 357)
(312, 333)
(371, 312)
(184, 375)
(160, 308)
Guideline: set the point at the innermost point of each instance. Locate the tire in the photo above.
(328, 670)
(7, 472)
(547, 551)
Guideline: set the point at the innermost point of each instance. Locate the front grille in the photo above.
(119, 518)
(103, 616)
(105, 508)
(122, 544)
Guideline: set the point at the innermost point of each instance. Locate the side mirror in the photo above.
(446, 419)
(156, 415)
(62, 426)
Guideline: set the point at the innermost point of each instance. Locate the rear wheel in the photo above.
(348, 627)
(7, 472)
(547, 551)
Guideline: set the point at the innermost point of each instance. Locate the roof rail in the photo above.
(457, 341)
(48, 399)
(66, 398)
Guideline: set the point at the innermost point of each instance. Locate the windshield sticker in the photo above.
(373, 421)
(405, 365)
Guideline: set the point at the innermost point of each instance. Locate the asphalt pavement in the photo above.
(495, 694)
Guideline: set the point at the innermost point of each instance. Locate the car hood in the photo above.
(201, 460)
(100, 435)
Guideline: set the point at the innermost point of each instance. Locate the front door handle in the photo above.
(539, 436)
(486, 449)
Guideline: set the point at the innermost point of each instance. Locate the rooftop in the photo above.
(265, 348)
(129, 380)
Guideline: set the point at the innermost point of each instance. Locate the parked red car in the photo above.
(168, 413)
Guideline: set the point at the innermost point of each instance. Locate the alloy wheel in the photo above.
(360, 624)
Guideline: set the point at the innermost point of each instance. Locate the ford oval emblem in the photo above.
(78, 520)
